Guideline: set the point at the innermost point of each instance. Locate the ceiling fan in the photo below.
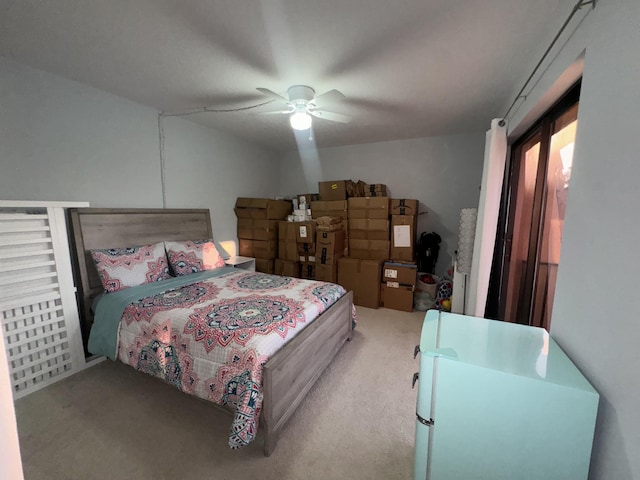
(303, 103)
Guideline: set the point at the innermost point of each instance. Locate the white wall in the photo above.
(443, 173)
(61, 140)
(210, 169)
(596, 309)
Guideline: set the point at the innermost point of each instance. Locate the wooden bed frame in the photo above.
(287, 376)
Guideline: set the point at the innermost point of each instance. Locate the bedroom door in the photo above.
(534, 209)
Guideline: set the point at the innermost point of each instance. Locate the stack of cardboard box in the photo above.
(306, 247)
(296, 249)
(368, 230)
(368, 226)
(257, 229)
(287, 263)
(333, 209)
(398, 285)
(330, 246)
(348, 240)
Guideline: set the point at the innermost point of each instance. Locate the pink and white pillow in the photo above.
(121, 268)
(193, 256)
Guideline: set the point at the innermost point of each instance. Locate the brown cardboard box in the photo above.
(331, 208)
(308, 198)
(327, 272)
(400, 273)
(258, 248)
(403, 237)
(308, 270)
(306, 248)
(329, 247)
(375, 190)
(396, 298)
(306, 257)
(287, 245)
(257, 229)
(262, 208)
(368, 228)
(286, 268)
(265, 265)
(305, 232)
(334, 190)
(334, 227)
(369, 249)
(363, 278)
(403, 206)
(368, 207)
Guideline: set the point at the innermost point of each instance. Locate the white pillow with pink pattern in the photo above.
(121, 268)
(193, 256)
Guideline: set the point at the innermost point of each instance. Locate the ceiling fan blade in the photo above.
(332, 116)
(327, 97)
(272, 94)
(274, 112)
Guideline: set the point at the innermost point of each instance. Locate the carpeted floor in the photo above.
(111, 422)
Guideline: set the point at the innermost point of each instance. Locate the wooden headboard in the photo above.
(92, 228)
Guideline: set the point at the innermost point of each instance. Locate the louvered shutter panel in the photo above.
(40, 322)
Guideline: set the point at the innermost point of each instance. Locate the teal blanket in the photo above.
(103, 339)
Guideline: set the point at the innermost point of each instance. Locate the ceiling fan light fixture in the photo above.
(300, 120)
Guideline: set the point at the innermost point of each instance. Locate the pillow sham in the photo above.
(193, 256)
(121, 268)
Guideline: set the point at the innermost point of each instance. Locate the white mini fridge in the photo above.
(498, 400)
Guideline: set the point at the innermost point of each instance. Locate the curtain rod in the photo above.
(577, 6)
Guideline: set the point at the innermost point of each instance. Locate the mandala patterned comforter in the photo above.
(212, 337)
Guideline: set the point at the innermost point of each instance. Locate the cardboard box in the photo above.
(306, 257)
(368, 207)
(265, 265)
(375, 190)
(329, 247)
(327, 272)
(396, 298)
(403, 206)
(363, 278)
(306, 248)
(307, 198)
(333, 227)
(286, 268)
(400, 273)
(287, 244)
(308, 270)
(369, 249)
(262, 208)
(334, 190)
(257, 229)
(305, 232)
(331, 208)
(403, 237)
(369, 228)
(258, 248)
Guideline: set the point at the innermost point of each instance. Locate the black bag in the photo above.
(427, 249)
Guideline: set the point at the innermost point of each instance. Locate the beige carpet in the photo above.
(110, 422)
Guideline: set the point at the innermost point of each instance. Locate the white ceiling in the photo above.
(409, 68)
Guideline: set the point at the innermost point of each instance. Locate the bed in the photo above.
(285, 373)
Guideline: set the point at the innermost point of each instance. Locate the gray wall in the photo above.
(61, 140)
(443, 173)
(595, 314)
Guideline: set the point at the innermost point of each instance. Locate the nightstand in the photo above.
(245, 263)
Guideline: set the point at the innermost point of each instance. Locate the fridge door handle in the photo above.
(416, 351)
(428, 423)
(415, 379)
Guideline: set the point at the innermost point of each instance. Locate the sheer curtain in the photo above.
(495, 154)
